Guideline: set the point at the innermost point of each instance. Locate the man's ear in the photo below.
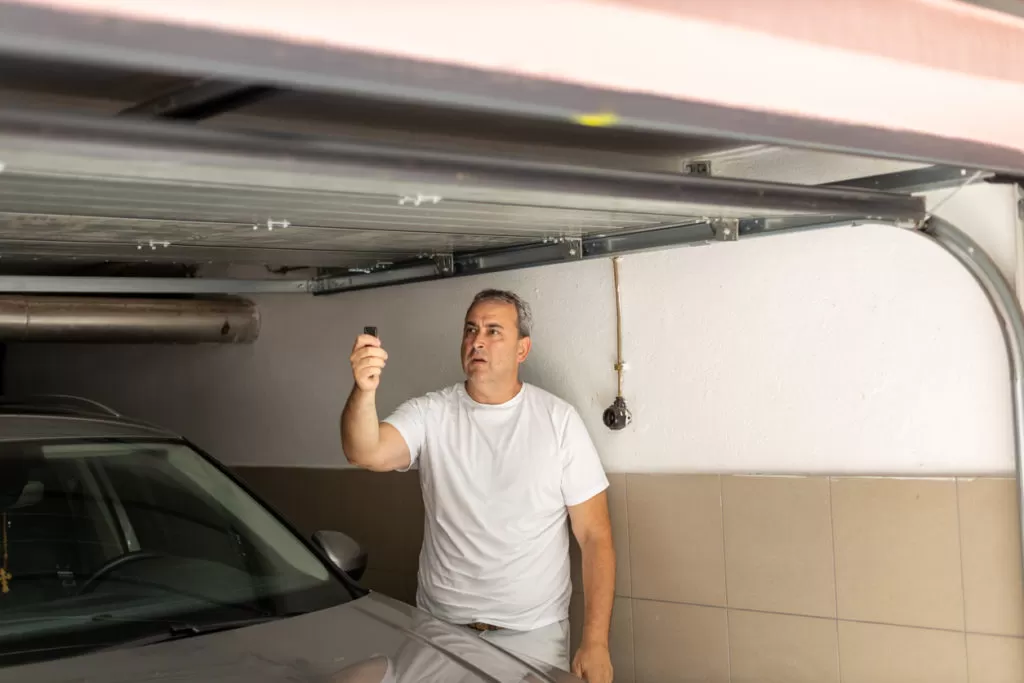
(524, 346)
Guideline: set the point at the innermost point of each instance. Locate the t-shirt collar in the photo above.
(461, 388)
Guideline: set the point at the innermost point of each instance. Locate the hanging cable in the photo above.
(617, 416)
(619, 365)
(967, 181)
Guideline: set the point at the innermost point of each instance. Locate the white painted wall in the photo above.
(862, 349)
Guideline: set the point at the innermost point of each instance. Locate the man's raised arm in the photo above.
(366, 441)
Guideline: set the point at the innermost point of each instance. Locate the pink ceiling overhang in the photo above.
(937, 67)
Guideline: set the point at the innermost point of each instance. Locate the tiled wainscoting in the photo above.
(744, 578)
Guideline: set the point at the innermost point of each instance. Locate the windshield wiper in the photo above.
(184, 630)
(177, 630)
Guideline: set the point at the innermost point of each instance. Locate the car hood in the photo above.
(373, 639)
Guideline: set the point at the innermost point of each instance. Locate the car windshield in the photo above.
(106, 542)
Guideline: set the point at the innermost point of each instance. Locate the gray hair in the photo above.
(524, 319)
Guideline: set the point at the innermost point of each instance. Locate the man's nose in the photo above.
(477, 340)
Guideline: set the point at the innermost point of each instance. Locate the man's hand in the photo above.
(593, 663)
(368, 360)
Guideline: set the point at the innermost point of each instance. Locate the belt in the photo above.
(481, 626)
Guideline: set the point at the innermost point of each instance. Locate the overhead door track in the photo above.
(134, 178)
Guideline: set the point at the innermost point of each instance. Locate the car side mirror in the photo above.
(344, 551)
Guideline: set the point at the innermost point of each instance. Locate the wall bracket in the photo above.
(445, 264)
(726, 229)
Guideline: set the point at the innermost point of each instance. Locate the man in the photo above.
(502, 464)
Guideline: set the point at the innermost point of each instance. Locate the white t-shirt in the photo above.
(496, 481)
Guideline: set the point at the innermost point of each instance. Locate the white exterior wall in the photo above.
(852, 350)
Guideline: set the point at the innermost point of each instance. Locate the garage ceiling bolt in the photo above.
(445, 263)
(272, 223)
(725, 229)
(418, 199)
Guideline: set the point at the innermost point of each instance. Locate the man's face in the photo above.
(491, 347)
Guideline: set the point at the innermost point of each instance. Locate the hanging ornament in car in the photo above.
(5, 576)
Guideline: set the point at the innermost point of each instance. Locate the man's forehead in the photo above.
(493, 312)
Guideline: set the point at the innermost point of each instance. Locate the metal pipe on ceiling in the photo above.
(137, 321)
(138, 286)
(1008, 310)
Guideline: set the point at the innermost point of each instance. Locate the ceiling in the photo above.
(111, 170)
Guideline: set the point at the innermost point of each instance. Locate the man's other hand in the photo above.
(593, 663)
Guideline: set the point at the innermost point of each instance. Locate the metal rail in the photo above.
(47, 143)
(438, 267)
(442, 266)
(1011, 320)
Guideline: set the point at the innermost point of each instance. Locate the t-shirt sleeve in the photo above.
(408, 419)
(583, 474)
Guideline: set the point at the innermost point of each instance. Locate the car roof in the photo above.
(37, 418)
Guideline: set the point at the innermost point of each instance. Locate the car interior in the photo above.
(111, 526)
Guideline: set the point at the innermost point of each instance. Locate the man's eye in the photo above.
(493, 332)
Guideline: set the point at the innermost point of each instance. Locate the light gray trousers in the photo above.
(548, 644)
(544, 648)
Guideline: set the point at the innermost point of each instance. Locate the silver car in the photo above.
(130, 555)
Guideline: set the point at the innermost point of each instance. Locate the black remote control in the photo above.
(372, 331)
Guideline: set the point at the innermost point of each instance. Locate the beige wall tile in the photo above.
(990, 537)
(677, 643)
(995, 659)
(778, 544)
(675, 538)
(620, 536)
(777, 648)
(620, 636)
(874, 653)
(897, 551)
(621, 641)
